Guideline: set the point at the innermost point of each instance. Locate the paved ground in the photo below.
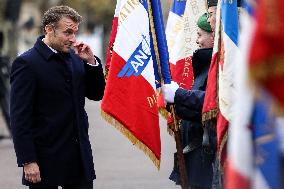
(118, 163)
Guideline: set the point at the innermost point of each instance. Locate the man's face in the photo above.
(212, 17)
(204, 39)
(62, 36)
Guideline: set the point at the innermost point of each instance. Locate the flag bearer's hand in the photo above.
(169, 91)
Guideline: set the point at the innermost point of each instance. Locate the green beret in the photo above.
(203, 24)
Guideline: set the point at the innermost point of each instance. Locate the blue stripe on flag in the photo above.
(230, 19)
(178, 7)
(161, 40)
(266, 143)
(144, 3)
(248, 6)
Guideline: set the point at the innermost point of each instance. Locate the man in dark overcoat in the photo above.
(49, 123)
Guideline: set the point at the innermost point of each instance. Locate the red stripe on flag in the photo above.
(182, 73)
(210, 107)
(222, 138)
(236, 180)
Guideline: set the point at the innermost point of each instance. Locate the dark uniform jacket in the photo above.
(48, 120)
(189, 108)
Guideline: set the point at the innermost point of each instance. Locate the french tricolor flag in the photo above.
(181, 34)
(266, 69)
(240, 168)
(254, 138)
(226, 89)
(139, 50)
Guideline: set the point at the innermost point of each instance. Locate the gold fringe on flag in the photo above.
(106, 73)
(223, 145)
(163, 112)
(206, 116)
(131, 137)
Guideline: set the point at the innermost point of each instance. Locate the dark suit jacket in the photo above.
(48, 120)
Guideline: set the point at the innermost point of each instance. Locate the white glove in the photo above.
(169, 91)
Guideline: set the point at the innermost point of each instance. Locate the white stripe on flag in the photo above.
(175, 26)
(184, 43)
(226, 76)
(259, 181)
(117, 8)
(240, 149)
(130, 35)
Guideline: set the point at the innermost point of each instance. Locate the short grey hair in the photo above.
(54, 14)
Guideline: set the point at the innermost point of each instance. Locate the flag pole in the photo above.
(176, 130)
